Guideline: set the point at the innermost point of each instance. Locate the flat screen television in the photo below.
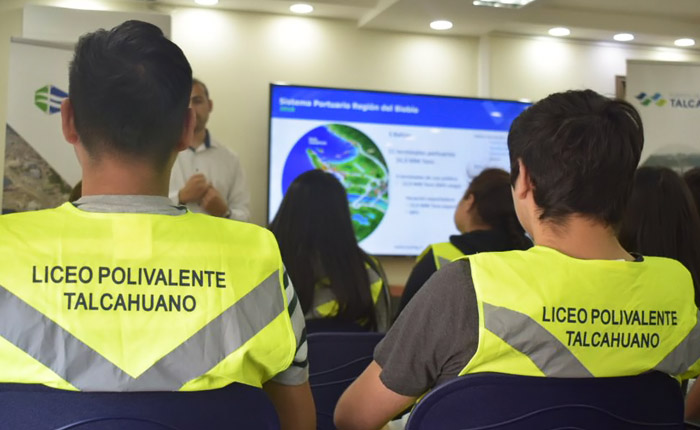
(404, 159)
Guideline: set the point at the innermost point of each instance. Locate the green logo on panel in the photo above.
(48, 99)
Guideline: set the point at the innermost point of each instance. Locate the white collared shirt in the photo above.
(223, 170)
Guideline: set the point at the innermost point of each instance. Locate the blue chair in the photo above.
(327, 325)
(508, 402)
(335, 360)
(236, 406)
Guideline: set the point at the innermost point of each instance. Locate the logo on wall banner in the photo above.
(48, 99)
(647, 99)
(675, 101)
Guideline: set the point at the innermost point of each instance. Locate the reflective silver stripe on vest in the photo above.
(442, 261)
(372, 275)
(527, 336)
(684, 355)
(87, 370)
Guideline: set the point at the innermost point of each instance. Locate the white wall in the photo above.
(66, 25)
(239, 54)
(532, 68)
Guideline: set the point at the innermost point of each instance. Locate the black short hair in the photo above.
(130, 89)
(581, 150)
(493, 201)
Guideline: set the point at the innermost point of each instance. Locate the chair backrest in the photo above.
(335, 360)
(236, 406)
(334, 325)
(508, 402)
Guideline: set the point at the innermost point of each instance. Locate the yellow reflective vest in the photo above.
(542, 313)
(443, 253)
(325, 304)
(140, 302)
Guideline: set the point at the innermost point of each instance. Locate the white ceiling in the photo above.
(653, 22)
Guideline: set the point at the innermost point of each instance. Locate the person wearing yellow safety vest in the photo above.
(121, 290)
(486, 218)
(334, 278)
(577, 304)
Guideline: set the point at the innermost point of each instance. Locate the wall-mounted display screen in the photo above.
(404, 159)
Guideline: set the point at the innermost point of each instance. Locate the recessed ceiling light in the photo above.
(441, 25)
(684, 42)
(207, 2)
(623, 37)
(301, 8)
(559, 31)
(513, 4)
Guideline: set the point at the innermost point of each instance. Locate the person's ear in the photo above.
(211, 105)
(469, 202)
(523, 183)
(187, 131)
(70, 133)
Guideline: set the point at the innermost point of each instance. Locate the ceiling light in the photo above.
(207, 2)
(684, 42)
(559, 31)
(301, 8)
(441, 25)
(623, 37)
(512, 4)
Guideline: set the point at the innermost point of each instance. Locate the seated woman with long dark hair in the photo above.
(332, 276)
(661, 220)
(486, 219)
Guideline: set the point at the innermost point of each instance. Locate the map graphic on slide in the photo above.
(355, 160)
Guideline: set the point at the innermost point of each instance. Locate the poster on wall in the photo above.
(667, 96)
(40, 166)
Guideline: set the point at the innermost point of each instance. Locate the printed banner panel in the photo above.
(667, 96)
(40, 166)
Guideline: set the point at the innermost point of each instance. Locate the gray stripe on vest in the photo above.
(322, 296)
(372, 275)
(87, 370)
(443, 261)
(527, 336)
(684, 355)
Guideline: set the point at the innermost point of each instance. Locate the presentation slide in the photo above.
(405, 160)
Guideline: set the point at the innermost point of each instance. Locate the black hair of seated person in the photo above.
(493, 201)
(581, 150)
(317, 241)
(692, 179)
(130, 89)
(661, 220)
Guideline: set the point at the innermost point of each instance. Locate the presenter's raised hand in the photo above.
(194, 189)
(213, 203)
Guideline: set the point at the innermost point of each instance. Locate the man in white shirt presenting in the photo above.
(208, 177)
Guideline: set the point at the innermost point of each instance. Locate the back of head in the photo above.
(692, 179)
(494, 205)
(130, 89)
(317, 241)
(581, 150)
(662, 220)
